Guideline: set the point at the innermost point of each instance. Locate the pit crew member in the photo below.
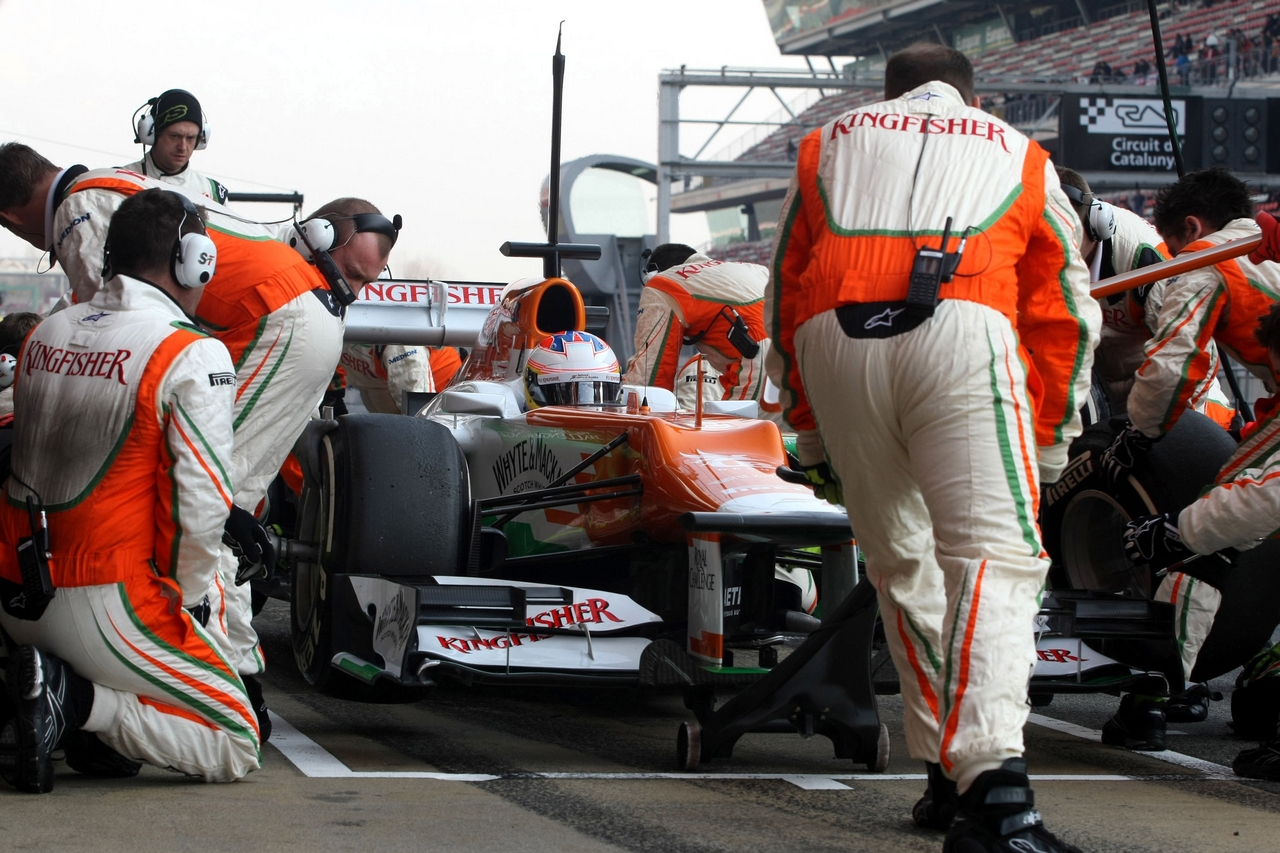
(111, 624)
(1128, 323)
(715, 306)
(383, 373)
(14, 329)
(273, 311)
(1239, 511)
(1115, 241)
(939, 420)
(175, 127)
(572, 369)
(1221, 303)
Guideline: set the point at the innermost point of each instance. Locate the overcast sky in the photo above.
(439, 111)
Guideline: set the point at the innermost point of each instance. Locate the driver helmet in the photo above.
(572, 369)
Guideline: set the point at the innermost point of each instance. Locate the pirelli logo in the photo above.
(216, 379)
(64, 362)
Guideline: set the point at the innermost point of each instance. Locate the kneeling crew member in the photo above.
(715, 306)
(135, 517)
(1241, 510)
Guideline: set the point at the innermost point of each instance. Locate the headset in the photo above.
(1099, 220)
(144, 130)
(320, 233)
(195, 257)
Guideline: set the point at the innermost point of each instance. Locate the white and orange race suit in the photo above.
(188, 178)
(940, 428)
(135, 519)
(275, 314)
(382, 373)
(698, 301)
(1220, 304)
(1129, 318)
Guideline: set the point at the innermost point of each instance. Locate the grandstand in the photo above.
(1021, 52)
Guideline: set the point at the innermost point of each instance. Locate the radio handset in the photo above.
(929, 270)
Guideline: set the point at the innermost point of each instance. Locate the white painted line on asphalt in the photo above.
(1209, 768)
(816, 783)
(315, 762)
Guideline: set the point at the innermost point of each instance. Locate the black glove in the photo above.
(1155, 541)
(824, 482)
(249, 541)
(1125, 453)
(201, 612)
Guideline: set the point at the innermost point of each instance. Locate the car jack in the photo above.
(822, 688)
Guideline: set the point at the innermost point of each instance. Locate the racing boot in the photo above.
(49, 700)
(1138, 724)
(87, 754)
(1191, 705)
(937, 808)
(254, 688)
(998, 815)
(1261, 762)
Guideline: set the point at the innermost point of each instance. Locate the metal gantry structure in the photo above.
(755, 180)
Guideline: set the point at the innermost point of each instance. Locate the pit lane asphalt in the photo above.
(518, 734)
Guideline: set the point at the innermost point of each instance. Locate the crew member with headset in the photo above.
(108, 553)
(279, 315)
(1221, 303)
(174, 126)
(715, 306)
(933, 338)
(1115, 241)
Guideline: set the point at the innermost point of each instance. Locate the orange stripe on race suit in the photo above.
(926, 689)
(127, 519)
(245, 384)
(445, 362)
(1022, 438)
(1177, 585)
(223, 698)
(962, 683)
(175, 711)
(204, 465)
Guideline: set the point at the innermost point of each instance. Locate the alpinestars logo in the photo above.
(884, 318)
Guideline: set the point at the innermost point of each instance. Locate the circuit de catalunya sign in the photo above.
(1100, 134)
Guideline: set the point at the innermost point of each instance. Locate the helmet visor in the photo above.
(575, 393)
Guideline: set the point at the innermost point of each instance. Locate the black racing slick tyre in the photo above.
(1082, 522)
(393, 500)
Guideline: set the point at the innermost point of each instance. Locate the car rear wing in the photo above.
(428, 312)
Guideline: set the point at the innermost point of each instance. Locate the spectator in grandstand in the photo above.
(1183, 66)
(175, 127)
(715, 306)
(1209, 60)
(1141, 69)
(910, 410)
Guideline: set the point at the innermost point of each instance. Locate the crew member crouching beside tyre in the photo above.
(119, 424)
(1241, 510)
(1219, 304)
